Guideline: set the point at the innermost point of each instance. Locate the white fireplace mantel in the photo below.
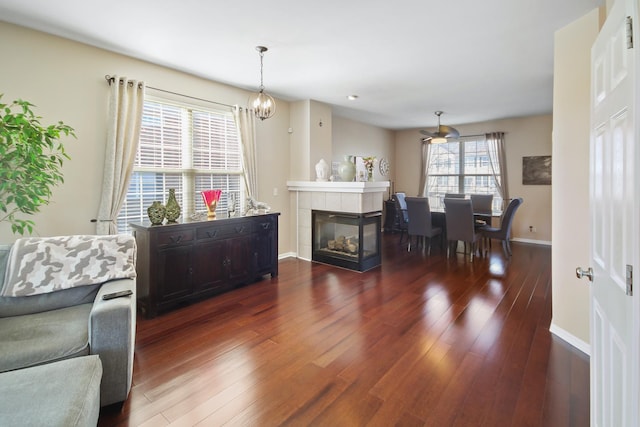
(350, 197)
(339, 187)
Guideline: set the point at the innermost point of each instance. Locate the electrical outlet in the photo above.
(275, 191)
(532, 229)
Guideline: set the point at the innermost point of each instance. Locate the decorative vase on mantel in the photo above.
(347, 169)
(156, 213)
(322, 170)
(173, 208)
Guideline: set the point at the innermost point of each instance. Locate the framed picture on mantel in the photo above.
(361, 169)
(536, 170)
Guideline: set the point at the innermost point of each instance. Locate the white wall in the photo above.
(571, 118)
(524, 136)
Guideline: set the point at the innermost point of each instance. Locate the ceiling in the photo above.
(474, 60)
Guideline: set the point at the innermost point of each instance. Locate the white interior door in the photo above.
(615, 223)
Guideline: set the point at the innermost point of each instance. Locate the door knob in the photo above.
(588, 273)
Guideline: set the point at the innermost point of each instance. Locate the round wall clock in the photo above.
(384, 166)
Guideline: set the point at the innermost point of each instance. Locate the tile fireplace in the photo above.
(359, 198)
(347, 240)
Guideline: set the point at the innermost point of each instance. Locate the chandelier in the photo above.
(261, 102)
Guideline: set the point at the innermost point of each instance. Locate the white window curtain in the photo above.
(424, 175)
(245, 120)
(498, 158)
(123, 133)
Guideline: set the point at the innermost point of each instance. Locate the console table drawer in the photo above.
(175, 237)
(225, 231)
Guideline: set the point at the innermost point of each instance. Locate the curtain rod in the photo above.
(111, 79)
(473, 136)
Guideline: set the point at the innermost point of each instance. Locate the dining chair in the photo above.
(503, 232)
(420, 222)
(454, 195)
(482, 207)
(402, 217)
(460, 224)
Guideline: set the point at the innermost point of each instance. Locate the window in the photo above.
(461, 167)
(187, 148)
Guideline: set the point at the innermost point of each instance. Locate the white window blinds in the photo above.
(186, 148)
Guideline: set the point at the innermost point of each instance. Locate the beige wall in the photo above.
(525, 136)
(66, 81)
(359, 139)
(320, 129)
(300, 140)
(571, 118)
(310, 127)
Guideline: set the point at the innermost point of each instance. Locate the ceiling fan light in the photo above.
(442, 134)
(438, 140)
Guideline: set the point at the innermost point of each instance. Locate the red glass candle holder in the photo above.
(211, 198)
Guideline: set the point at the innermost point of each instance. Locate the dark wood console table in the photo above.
(192, 260)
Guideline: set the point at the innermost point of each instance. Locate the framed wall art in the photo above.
(536, 170)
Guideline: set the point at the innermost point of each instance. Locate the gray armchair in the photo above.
(77, 321)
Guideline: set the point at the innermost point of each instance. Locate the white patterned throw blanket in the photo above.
(39, 265)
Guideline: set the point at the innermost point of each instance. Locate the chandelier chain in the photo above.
(261, 68)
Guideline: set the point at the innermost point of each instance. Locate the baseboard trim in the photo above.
(535, 242)
(570, 338)
(287, 255)
(292, 255)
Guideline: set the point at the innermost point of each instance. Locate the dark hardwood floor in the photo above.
(421, 340)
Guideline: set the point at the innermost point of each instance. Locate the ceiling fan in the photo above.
(442, 134)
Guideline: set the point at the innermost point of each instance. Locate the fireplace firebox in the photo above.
(347, 240)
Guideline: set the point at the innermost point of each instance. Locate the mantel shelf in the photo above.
(339, 187)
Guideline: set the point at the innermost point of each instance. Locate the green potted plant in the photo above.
(31, 158)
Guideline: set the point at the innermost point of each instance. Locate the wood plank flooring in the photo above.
(421, 340)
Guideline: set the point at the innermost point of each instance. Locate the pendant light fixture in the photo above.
(261, 102)
(442, 134)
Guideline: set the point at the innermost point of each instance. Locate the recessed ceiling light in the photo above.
(352, 97)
